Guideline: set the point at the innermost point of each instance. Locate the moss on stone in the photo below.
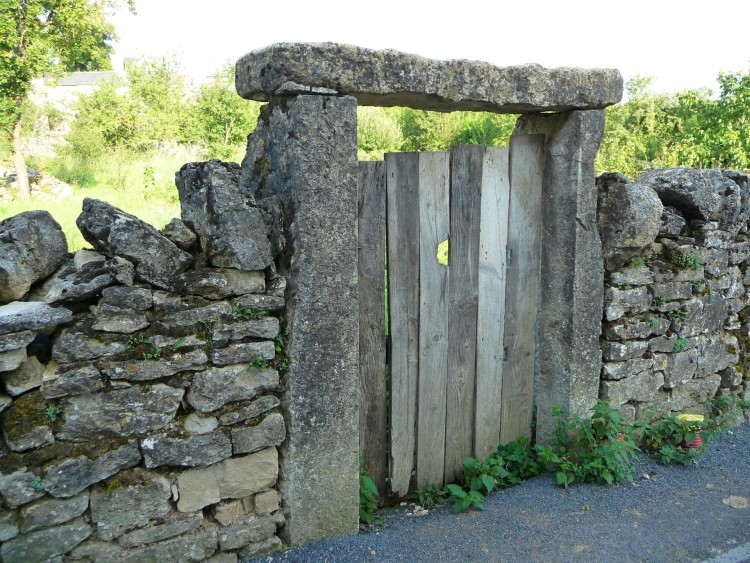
(27, 411)
(133, 478)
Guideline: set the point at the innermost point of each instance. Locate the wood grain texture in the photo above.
(434, 175)
(463, 266)
(373, 413)
(402, 187)
(522, 287)
(493, 240)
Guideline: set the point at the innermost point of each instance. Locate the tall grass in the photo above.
(142, 185)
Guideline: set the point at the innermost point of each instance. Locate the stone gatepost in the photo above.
(302, 162)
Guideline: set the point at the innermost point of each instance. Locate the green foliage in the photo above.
(430, 495)
(435, 131)
(136, 340)
(637, 262)
(688, 261)
(681, 344)
(37, 484)
(465, 499)
(153, 354)
(378, 132)
(678, 315)
(658, 301)
(590, 450)
(179, 343)
(653, 321)
(257, 362)
(665, 438)
(53, 411)
(249, 314)
(368, 495)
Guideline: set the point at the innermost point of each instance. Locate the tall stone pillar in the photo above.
(302, 163)
(572, 274)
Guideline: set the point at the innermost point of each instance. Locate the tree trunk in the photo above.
(22, 175)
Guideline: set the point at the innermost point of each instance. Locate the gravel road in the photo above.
(670, 513)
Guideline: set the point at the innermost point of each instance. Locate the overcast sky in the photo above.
(683, 44)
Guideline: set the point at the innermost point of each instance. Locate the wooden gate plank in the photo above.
(373, 413)
(522, 286)
(402, 187)
(493, 239)
(463, 267)
(434, 225)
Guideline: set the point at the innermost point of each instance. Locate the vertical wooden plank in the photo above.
(402, 187)
(463, 286)
(434, 175)
(373, 413)
(522, 287)
(493, 239)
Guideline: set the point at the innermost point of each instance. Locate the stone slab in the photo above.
(45, 544)
(31, 315)
(392, 78)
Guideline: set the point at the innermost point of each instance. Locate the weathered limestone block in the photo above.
(216, 312)
(250, 531)
(26, 377)
(237, 477)
(176, 525)
(31, 315)
(71, 284)
(57, 382)
(231, 512)
(74, 346)
(706, 313)
(246, 412)
(629, 368)
(219, 283)
(196, 424)
(25, 424)
(672, 222)
(641, 387)
(99, 551)
(5, 401)
(243, 352)
(232, 231)
(694, 392)
(49, 512)
(113, 232)
(735, 289)
(12, 360)
(259, 302)
(213, 388)
(392, 78)
(137, 298)
(16, 340)
(71, 476)
(618, 302)
(699, 194)
(180, 234)
(629, 218)
(16, 489)
(715, 261)
(8, 530)
(739, 251)
(32, 246)
(148, 370)
(129, 501)
(119, 413)
(717, 352)
(730, 377)
(673, 290)
(266, 328)
(193, 451)
(270, 432)
(267, 502)
(640, 275)
(634, 328)
(193, 547)
(256, 549)
(621, 351)
(46, 544)
(667, 343)
(680, 367)
(115, 319)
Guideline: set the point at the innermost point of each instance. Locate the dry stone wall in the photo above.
(141, 382)
(675, 326)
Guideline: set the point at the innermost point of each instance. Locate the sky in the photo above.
(683, 44)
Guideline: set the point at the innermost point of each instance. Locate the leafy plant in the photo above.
(429, 495)
(678, 315)
(664, 440)
(658, 301)
(136, 340)
(637, 262)
(590, 450)
(368, 495)
(465, 499)
(681, 344)
(37, 484)
(624, 286)
(280, 342)
(257, 361)
(689, 261)
(179, 343)
(249, 314)
(53, 411)
(653, 321)
(153, 354)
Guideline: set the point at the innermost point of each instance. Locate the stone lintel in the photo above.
(571, 299)
(391, 78)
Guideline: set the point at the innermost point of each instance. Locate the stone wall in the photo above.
(141, 382)
(677, 270)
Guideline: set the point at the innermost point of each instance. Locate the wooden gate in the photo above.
(458, 379)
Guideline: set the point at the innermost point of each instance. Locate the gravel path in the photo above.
(676, 514)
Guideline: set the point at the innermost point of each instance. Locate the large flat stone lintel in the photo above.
(570, 306)
(392, 78)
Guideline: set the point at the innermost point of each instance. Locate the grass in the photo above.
(142, 185)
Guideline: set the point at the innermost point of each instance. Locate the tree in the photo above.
(41, 36)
